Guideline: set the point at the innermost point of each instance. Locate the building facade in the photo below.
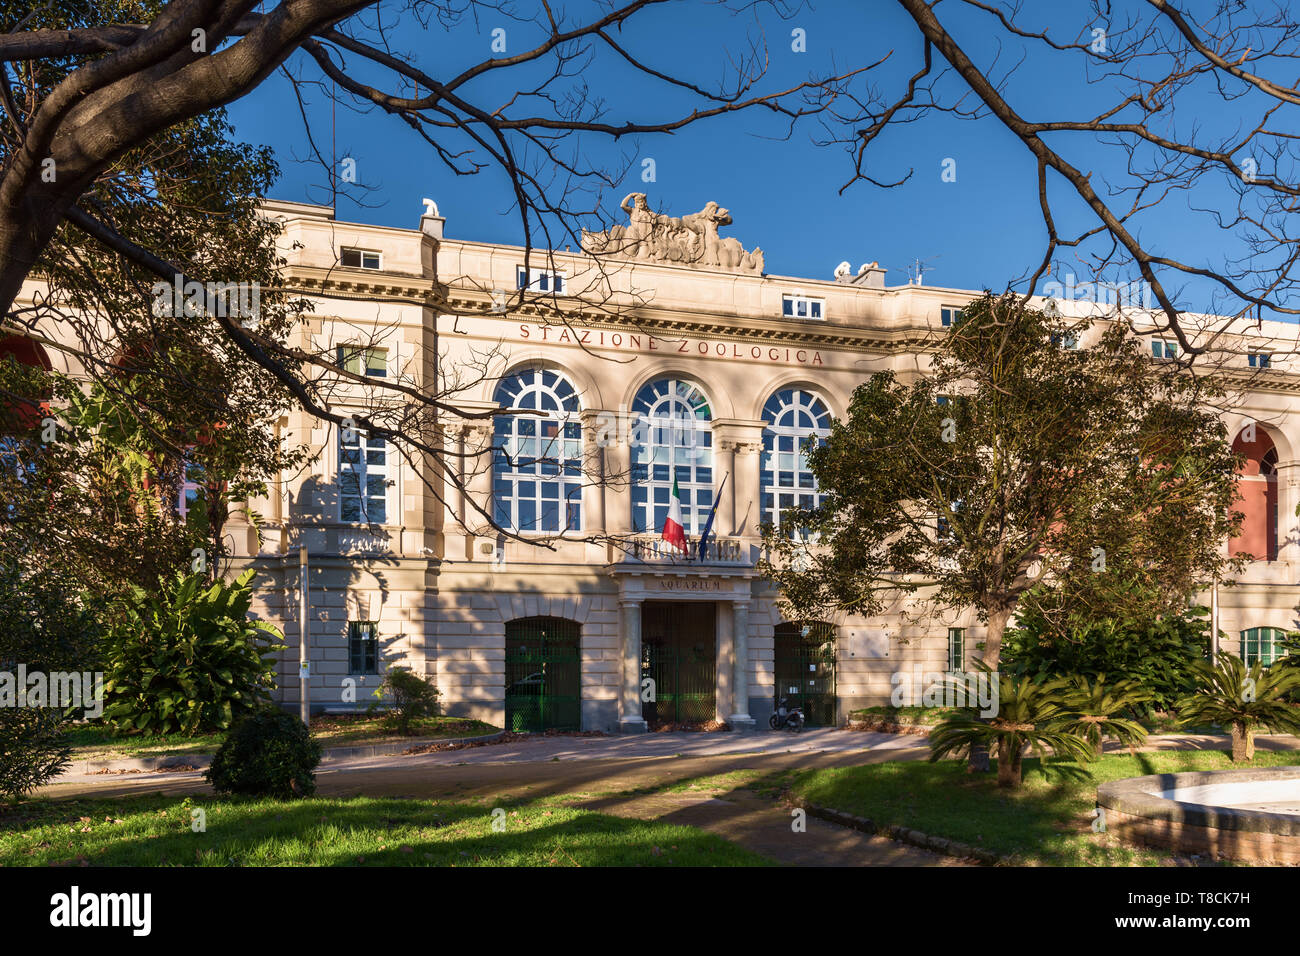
(666, 362)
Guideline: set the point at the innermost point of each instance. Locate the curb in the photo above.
(181, 763)
(915, 838)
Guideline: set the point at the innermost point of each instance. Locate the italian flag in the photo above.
(673, 531)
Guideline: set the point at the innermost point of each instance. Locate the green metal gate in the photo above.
(543, 674)
(679, 652)
(805, 669)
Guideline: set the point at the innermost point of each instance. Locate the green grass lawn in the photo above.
(910, 716)
(1048, 822)
(360, 831)
(98, 742)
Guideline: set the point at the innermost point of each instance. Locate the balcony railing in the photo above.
(653, 549)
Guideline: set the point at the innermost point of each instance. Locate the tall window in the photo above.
(1262, 645)
(671, 440)
(795, 419)
(363, 647)
(956, 648)
(363, 477)
(537, 457)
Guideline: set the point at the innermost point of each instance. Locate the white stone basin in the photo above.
(1271, 796)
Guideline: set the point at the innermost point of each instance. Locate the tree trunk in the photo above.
(1243, 742)
(1008, 764)
(998, 616)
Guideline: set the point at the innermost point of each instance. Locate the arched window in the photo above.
(537, 453)
(795, 418)
(1262, 645)
(1257, 493)
(671, 441)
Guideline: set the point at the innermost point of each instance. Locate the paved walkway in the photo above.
(627, 776)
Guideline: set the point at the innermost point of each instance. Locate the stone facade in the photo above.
(442, 587)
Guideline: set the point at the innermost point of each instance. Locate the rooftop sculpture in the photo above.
(690, 240)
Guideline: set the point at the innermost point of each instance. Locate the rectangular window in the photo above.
(956, 648)
(1065, 340)
(363, 647)
(542, 280)
(363, 478)
(1261, 645)
(948, 315)
(191, 489)
(359, 259)
(1260, 359)
(1163, 349)
(802, 307)
(373, 363)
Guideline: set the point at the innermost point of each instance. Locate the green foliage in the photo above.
(1039, 460)
(1099, 711)
(413, 697)
(1157, 653)
(1231, 695)
(186, 659)
(269, 753)
(48, 628)
(1030, 715)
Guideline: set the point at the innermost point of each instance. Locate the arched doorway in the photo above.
(23, 412)
(1257, 493)
(805, 669)
(543, 674)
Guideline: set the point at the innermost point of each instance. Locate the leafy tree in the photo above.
(186, 659)
(1031, 715)
(1013, 462)
(413, 697)
(1243, 699)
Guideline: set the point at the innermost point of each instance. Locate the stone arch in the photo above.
(589, 393)
(719, 401)
(1258, 493)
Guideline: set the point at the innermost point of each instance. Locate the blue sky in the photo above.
(983, 230)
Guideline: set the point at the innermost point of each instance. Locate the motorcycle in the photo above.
(783, 715)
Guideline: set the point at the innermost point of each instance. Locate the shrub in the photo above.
(1243, 699)
(1099, 708)
(186, 659)
(269, 753)
(1030, 715)
(413, 696)
(1159, 655)
(46, 626)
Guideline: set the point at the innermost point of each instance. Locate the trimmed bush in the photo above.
(267, 754)
(413, 696)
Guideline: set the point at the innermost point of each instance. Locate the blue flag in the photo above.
(713, 513)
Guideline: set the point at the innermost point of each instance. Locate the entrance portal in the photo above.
(805, 669)
(543, 674)
(679, 653)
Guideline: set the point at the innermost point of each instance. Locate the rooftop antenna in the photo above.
(916, 271)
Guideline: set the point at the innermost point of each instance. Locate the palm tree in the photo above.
(1029, 715)
(1231, 695)
(1097, 706)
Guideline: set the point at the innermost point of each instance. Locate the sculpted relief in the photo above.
(691, 240)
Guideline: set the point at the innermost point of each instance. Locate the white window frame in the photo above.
(799, 401)
(1260, 359)
(948, 315)
(809, 303)
(379, 258)
(689, 447)
(563, 451)
(368, 470)
(1168, 350)
(342, 352)
(557, 280)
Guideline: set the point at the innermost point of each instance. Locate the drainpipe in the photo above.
(304, 654)
(1214, 620)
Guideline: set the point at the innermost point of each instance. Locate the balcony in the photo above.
(653, 549)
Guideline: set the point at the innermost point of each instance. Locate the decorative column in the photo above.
(630, 720)
(477, 473)
(725, 670)
(593, 476)
(747, 487)
(726, 465)
(740, 721)
(617, 482)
